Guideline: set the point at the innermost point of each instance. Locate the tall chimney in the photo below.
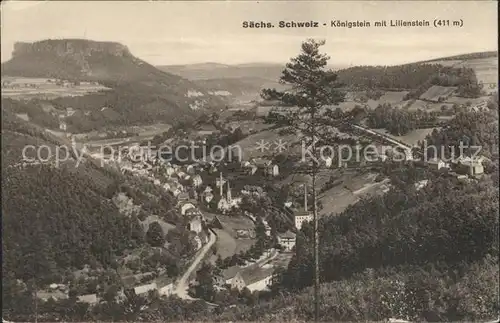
(221, 189)
(305, 197)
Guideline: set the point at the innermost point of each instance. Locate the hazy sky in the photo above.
(194, 32)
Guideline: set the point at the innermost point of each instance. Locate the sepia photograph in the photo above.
(250, 161)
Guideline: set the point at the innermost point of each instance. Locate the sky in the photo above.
(186, 32)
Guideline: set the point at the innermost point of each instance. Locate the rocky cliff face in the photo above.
(70, 51)
(69, 47)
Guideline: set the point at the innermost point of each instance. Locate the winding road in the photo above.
(182, 284)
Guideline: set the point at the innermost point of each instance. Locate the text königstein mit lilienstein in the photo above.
(337, 24)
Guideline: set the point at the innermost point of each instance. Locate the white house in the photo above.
(272, 170)
(169, 171)
(300, 217)
(436, 164)
(304, 215)
(287, 240)
(328, 161)
(175, 191)
(167, 290)
(185, 206)
(195, 224)
(254, 278)
(472, 166)
(63, 126)
(197, 180)
(208, 197)
(145, 288)
(89, 299)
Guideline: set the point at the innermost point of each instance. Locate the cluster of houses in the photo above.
(267, 167)
(461, 166)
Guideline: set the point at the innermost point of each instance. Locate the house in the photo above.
(167, 290)
(328, 161)
(175, 191)
(436, 164)
(471, 167)
(254, 278)
(272, 170)
(63, 126)
(304, 215)
(70, 112)
(267, 227)
(181, 175)
(197, 180)
(287, 240)
(258, 280)
(185, 205)
(183, 196)
(300, 217)
(208, 197)
(89, 299)
(143, 289)
(195, 224)
(196, 241)
(421, 184)
(169, 171)
(268, 167)
(219, 182)
(190, 169)
(251, 170)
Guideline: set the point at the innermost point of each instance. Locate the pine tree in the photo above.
(312, 88)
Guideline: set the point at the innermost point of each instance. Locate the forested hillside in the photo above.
(414, 77)
(57, 219)
(419, 255)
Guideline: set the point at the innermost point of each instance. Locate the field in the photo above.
(227, 244)
(486, 69)
(464, 101)
(435, 92)
(338, 198)
(249, 145)
(418, 104)
(392, 97)
(43, 88)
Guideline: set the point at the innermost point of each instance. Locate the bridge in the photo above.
(408, 150)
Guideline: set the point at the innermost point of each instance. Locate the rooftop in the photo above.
(289, 234)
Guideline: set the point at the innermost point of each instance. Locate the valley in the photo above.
(122, 232)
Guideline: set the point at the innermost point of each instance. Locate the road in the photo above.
(182, 284)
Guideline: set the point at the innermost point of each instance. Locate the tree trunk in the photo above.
(316, 238)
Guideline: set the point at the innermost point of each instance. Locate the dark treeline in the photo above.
(397, 121)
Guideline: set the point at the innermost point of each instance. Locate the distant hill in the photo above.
(158, 95)
(205, 71)
(465, 56)
(239, 80)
